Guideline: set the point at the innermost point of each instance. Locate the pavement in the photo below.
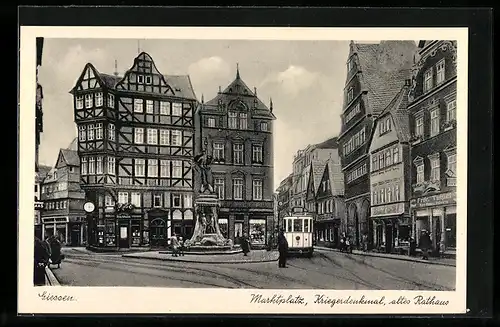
(325, 270)
(432, 260)
(252, 257)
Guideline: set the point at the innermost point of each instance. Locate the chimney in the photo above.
(220, 89)
(255, 91)
(116, 68)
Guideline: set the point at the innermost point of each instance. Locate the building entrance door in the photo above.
(75, 235)
(389, 239)
(123, 239)
(158, 232)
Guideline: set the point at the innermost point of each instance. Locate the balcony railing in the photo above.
(427, 186)
(415, 139)
(448, 125)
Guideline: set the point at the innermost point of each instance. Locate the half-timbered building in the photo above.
(135, 142)
(375, 74)
(433, 119)
(236, 127)
(63, 199)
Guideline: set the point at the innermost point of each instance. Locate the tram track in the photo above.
(165, 267)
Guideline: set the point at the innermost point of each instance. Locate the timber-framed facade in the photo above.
(135, 143)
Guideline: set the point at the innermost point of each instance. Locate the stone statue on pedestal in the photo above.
(203, 161)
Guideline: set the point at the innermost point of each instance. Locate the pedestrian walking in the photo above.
(282, 249)
(56, 256)
(174, 243)
(365, 242)
(181, 246)
(41, 260)
(425, 244)
(342, 243)
(245, 244)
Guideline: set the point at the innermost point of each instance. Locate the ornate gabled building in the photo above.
(63, 200)
(301, 168)
(325, 199)
(135, 143)
(236, 127)
(375, 74)
(390, 173)
(433, 119)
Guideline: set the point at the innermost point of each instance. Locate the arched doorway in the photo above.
(367, 223)
(158, 230)
(353, 224)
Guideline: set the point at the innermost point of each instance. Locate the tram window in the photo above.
(288, 226)
(306, 226)
(297, 225)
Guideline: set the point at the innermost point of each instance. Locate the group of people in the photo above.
(177, 244)
(46, 253)
(345, 243)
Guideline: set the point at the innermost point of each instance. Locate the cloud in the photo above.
(292, 80)
(207, 68)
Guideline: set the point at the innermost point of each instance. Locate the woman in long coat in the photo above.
(41, 256)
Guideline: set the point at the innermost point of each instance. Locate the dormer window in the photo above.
(263, 127)
(428, 80)
(350, 65)
(350, 94)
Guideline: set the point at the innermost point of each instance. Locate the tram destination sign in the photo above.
(434, 200)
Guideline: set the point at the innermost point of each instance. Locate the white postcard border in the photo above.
(198, 301)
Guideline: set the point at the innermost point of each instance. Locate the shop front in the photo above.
(437, 215)
(391, 228)
(257, 231)
(327, 232)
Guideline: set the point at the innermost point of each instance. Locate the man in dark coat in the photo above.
(425, 244)
(41, 256)
(245, 244)
(282, 249)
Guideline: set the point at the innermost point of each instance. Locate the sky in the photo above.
(305, 80)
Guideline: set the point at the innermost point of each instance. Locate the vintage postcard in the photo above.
(242, 170)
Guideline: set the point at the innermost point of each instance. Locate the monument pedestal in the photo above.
(207, 236)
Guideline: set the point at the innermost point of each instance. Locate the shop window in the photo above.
(258, 231)
(238, 230)
(136, 234)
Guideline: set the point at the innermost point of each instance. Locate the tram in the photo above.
(298, 230)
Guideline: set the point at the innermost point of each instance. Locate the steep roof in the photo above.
(384, 68)
(43, 171)
(110, 80)
(70, 157)
(398, 110)
(336, 175)
(238, 88)
(317, 170)
(331, 143)
(182, 86)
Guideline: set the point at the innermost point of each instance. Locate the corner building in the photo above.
(433, 110)
(375, 74)
(135, 143)
(236, 127)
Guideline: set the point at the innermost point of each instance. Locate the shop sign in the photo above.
(388, 210)
(434, 200)
(123, 216)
